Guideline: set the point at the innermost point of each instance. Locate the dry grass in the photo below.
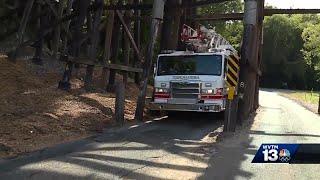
(305, 96)
(34, 114)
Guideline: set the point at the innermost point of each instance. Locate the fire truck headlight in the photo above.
(161, 90)
(163, 85)
(208, 85)
(207, 91)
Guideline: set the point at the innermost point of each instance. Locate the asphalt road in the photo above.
(181, 147)
(279, 120)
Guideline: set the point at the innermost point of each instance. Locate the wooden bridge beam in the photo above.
(149, 6)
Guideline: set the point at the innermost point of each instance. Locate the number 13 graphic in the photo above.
(270, 155)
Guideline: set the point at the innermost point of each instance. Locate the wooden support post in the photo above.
(37, 59)
(120, 103)
(248, 58)
(114, 53)
(126, 51)
(260, 48)
(126, 48)
(24, 20)
(66, 28)
(157, 17)
(230, 116)
(107, 46)
(227, 117)
(235, 108)
(94, 37)
(170, 30)
(115, 50)
(64, 84)
(22, 27)
(137, 39)
(184, 20)
(80, 8)
(57, 30)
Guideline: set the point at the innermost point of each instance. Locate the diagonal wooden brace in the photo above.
(135, 47)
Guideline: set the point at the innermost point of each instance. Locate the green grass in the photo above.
(306, 96)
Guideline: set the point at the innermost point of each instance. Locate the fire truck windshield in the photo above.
(190, 65)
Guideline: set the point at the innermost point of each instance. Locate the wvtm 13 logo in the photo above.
(275, 153)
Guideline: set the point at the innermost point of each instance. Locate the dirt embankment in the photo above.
(34, 114)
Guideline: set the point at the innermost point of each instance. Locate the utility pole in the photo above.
(157, 17)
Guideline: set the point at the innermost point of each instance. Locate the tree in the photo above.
(311, 52)
(282, 58)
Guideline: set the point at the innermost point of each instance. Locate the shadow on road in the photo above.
(123, 153)
(127, 153)
(232, 152)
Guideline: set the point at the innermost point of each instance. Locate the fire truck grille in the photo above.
(185, 90)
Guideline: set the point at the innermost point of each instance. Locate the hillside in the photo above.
(34, 114)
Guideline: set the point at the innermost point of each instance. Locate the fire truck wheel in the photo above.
(154, 112)
(172, 114)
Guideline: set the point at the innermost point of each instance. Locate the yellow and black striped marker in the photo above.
(233, 71)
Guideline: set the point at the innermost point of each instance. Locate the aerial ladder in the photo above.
(204, 40)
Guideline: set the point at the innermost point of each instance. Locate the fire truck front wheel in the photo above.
(154, 112)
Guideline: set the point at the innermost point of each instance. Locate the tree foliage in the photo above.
(289, 54)
(281, 53)
(311, 52)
